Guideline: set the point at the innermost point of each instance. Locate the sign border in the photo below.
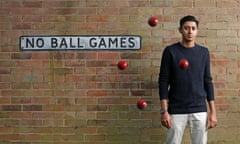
(88, 49)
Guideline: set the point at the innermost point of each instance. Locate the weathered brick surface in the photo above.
(81, 97)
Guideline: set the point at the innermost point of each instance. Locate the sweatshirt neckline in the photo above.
(187, 47)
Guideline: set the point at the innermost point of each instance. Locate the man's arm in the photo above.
(164, 104)
(163, 82)
(212, 117)
(165, 117)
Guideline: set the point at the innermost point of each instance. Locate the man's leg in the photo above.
(174, 134)
(198, 127)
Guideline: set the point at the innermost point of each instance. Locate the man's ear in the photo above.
(180, 30)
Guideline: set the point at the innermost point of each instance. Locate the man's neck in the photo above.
(186, 44)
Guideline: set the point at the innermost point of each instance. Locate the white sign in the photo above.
(80, 42)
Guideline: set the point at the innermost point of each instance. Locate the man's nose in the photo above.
(190, 30)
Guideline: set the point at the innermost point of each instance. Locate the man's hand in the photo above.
(166, 120)
(212, 116)
(212, 120)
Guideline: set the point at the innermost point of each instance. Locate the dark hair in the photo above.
(188, 18)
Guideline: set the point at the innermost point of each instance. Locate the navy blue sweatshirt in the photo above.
(185, 89)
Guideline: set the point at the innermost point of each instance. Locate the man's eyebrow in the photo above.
(189, 26)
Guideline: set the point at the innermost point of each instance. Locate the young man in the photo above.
(185, 89)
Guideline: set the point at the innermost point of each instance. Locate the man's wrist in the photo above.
(162, 111)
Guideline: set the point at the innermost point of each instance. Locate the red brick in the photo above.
(66, 11)
(97, 93)
(89, 101)
(88, 26)
(11, 93)
(42, 26)
(76, 18)
(122, 3)
(5, 11)
(108, 55)
(5, 100)
(220, 63)
(42, 100)
(6, 130)
(227, 4)
(10, 19)
(11, 137)
(21, 100)
(41, 85)
(4, 71)
(20, 26)
(21, 56)
(97, 63)
(52, 4)
(85, 55)
(33, 18)
(97, 108)
(22, 11)
(20, 115)
(21, 85)
(94, 3)
(43, 115)
(127, 10)
(32, 108)
(58, 107)
(108, 11)
(87, 11)
(222, 104)
(35, 4)
(12, 3)
(138, 92)
(11, 108)
(31, 137)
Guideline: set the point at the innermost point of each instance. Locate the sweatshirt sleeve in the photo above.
(164, 75)
(208, 84)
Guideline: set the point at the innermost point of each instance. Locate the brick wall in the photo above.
(81, 97)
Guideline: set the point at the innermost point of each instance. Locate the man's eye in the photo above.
(190, 28)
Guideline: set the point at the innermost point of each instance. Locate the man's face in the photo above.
(189, 31)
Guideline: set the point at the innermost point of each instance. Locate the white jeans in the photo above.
(198, 128)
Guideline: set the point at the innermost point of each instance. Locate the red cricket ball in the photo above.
(141, 104)
(122, 65)
(184, 64)
(153, 21)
